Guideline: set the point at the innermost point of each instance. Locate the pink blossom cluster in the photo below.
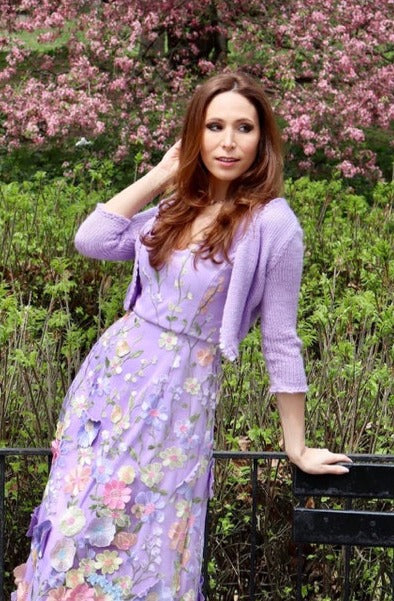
(125, 68)
(329, 70)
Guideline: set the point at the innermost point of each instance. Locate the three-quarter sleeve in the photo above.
(281, 345)
(109, 236)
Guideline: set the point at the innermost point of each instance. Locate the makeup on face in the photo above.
(230, 140)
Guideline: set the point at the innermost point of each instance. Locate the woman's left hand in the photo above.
(321, 461)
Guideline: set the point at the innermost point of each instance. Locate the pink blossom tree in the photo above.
(329, 66)
(123, 69)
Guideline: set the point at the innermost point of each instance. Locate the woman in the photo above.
(124, 509)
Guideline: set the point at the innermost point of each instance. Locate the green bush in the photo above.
(54, 304)
(346, 322)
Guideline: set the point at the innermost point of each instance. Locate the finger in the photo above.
(337, 470)
(345, 458)
(337, 458)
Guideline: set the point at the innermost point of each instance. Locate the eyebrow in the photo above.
(241, 120)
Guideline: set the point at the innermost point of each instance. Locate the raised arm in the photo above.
(109, 236)
(111, 230)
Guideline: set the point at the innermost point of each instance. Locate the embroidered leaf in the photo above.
(197, 328)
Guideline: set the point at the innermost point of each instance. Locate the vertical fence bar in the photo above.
(348, 552)
(346, 587)
(252, 572)
(300, 559)
(2, 524)
(392, 576)
(205, 583)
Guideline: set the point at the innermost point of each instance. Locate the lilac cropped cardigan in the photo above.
(265, 281)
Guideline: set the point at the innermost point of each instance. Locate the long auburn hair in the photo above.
(256, 187)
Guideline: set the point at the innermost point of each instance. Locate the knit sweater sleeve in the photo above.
(281, 345)
(106, 235)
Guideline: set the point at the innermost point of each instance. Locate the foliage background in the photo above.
(67, 73)
(54, 304)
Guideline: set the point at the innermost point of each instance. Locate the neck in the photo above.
(217, 191)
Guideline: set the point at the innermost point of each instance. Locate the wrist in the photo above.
(161, 177)
(295, 455)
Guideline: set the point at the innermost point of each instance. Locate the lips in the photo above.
(228, 160)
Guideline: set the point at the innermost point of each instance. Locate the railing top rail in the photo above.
(11, 451)
(8, 451)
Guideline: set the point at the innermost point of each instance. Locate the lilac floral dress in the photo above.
(123, 512)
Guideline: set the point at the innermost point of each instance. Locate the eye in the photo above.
(245, 128)
(214, 126)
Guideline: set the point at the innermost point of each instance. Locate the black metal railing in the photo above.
(254, 458)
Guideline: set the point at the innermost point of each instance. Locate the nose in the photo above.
(228, 140)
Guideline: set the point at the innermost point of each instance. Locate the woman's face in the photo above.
(230, 140)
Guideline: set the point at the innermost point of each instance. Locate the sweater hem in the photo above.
(288, 389)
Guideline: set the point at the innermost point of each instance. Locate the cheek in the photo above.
(252, 149)
(206, 151)
(206, 144)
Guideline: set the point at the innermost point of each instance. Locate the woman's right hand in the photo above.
(136, 196)
(169, 164)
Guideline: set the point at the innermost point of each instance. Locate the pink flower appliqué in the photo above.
(58, 594)
(124, 540)
(77, 479)
(55, 448)
(205, 356)
(177, 534)
(116, 494)
(19, 573)
(22, 586)
(82, 592)
(22, 591)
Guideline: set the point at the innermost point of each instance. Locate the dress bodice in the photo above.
(184, 296)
